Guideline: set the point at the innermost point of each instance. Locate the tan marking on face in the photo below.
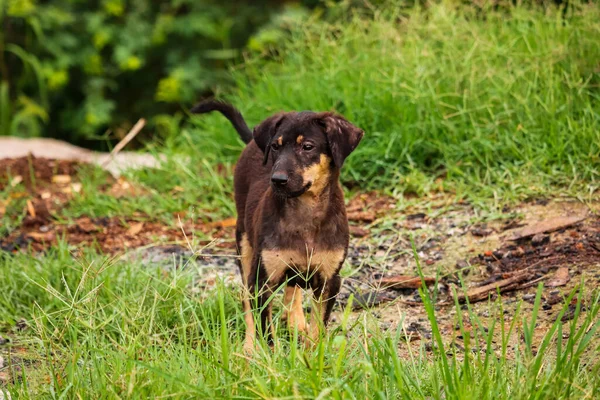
(293, 304)
(280, 140)
(318, 174)
(305, 263)
(299, 139)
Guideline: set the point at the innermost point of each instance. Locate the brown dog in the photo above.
(291, 227)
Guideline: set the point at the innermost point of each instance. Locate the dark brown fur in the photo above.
(289, 203)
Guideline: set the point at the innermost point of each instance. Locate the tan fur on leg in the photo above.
(250, 327)
(316, 319)
(293, 305)
(246, 260)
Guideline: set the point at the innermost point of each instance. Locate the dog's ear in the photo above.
(263, 133)
(342, 136)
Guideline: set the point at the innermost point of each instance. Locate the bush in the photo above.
(73, 69)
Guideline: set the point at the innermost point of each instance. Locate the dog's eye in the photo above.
(274, 146)
(307, 147)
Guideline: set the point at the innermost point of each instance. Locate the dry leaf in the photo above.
(226, 223)
(18, 195)
(546, 226)
(61, 179)
(122, 188)
(134, 229)
(46, 195)
(76, 187)
(364, 216)
(86, 225)
(561, 278)
(405, 282)
(30, 209)
(357, 231)
(41, 236)
(16, 180)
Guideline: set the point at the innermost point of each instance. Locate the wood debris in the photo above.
(405, 282)
(546, 226)
(362, 216)
(225, 223)
(134, 229)
(481, 293)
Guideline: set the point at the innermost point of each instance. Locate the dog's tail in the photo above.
(230, 112)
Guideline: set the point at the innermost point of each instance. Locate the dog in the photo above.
(291, 228)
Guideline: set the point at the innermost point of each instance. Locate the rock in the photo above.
(3, 341)
(357, 231)
(481, 232)
(540, 239)
(498, 254)
(530, 297)
(416, 216)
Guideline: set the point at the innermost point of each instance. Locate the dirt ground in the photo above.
(554, 241)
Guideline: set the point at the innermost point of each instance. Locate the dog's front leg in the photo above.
(295, 313)
(260, 291)
(324, 300)
(250, 325)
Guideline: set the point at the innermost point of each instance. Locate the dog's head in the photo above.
(305, 148)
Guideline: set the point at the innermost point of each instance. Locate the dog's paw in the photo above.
(249, 347)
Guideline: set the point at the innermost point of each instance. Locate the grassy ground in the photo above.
(110, 329)
(494, 110)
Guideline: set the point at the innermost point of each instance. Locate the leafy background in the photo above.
(85, 71)
(495, 98)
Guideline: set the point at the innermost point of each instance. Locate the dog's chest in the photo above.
(304, 263)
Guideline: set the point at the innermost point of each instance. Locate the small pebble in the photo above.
(540, 239)
(519, 252)
(481, 232)
(498, 254)
(528, 297)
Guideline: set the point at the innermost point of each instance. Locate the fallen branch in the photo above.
(405, 282)
(546, 226)
(128, 138)
(481, 293)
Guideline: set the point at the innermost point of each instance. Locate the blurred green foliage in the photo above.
(74, 69)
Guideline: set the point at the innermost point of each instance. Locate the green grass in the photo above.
(495, 110)
(103, 329)
(505, 107)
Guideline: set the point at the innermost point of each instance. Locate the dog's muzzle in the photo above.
(299, 192)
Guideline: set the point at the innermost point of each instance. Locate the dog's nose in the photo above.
(279, 178)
